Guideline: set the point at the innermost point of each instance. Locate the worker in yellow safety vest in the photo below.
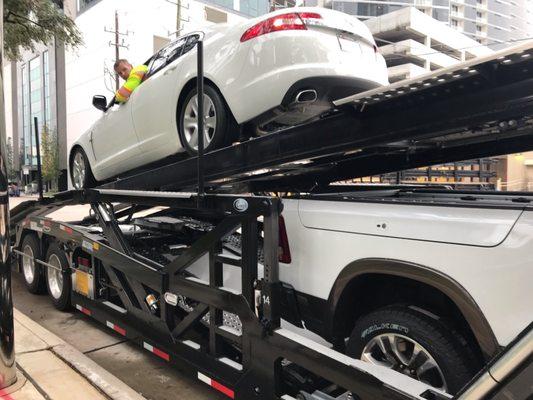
(133, 76)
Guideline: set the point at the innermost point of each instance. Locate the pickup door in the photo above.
(472, 226)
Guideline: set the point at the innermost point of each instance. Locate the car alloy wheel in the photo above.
(190, 121)
(406, 356)
(28, 264)
(78, 171)
(55, 277)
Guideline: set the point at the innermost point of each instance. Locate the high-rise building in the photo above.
(495, 23)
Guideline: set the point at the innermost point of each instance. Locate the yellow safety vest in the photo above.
(135, 78)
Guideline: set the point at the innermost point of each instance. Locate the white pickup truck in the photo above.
(431, 283)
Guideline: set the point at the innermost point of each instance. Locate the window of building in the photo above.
(46, 89)
(252, 8)
(35, 100)
(454, 23)
(26, 140)
(455, 8)
(479, 14)
(82, 5)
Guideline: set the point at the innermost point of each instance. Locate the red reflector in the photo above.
(156, 351)
(84, 261)
(161, 354)
(215, 385)
(66, 229)
(284, 255)
(223, 389)
(116, 328)
(83, 310)
(283, 22)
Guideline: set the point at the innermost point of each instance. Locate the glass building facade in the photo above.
(35, 101)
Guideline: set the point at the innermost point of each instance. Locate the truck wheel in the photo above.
(31, 271)
(414, 344)
(58, 280)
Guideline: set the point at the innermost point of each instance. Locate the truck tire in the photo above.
(32, 273)
(58, 280)
(414, 344)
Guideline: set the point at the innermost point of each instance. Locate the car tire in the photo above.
(412, 332)
(218, 121)
(58, 282)
(81, 174)
(32, 273)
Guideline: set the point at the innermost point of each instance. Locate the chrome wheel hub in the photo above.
(28, 264)
(55, 277)
(190, 121)
(404, 355)
(78, 171)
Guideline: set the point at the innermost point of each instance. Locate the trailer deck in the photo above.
(479, 108)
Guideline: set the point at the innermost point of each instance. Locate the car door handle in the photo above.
(168, 71)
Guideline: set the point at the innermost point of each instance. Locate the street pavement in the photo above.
(139, 369)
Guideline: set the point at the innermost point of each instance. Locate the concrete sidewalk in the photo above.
(49, 368)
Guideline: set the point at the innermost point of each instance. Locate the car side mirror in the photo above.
(100, 102)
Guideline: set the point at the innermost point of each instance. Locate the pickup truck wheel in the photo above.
(31, 271)
(414, 344)
(58, 279)
(216, 121)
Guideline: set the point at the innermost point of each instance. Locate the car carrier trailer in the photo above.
(130, 272)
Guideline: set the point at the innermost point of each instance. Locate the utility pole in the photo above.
(119, 42)
(178, 17)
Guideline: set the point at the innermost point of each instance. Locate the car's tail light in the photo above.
(284, 251)
(283, 22)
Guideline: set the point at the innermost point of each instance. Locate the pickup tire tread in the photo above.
(445, 345)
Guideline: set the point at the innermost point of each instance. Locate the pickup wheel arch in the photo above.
(414, 273)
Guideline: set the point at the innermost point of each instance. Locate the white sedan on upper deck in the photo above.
(282, 68)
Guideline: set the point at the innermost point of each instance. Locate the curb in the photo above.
(100, 378)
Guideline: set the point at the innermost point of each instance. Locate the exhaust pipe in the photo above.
(306, 96)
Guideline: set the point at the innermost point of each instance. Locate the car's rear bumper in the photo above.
(327, 89)
(275, 63)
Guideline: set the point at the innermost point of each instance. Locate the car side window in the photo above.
(166, 55)
(191, 42)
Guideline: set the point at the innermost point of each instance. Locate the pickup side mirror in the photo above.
(100, 102)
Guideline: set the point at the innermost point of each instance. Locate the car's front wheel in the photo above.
(413, 344)
(217, 121)
(80, 170)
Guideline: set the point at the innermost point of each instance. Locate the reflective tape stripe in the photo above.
(156, 351)
(116, 328)
(83, 310)
(216, 385)
(66, 229)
